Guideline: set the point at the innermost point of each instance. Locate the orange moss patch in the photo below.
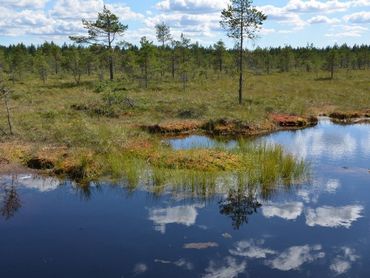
(138, 145)
(15, 151)
(227, 127)
(76, 164)
(284, 120)
(79, 166)
(176, 127)
(46, 157)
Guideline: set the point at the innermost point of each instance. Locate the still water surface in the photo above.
(318, 229)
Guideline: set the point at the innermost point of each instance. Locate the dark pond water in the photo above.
(319, 229)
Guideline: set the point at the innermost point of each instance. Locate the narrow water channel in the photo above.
(321, 228)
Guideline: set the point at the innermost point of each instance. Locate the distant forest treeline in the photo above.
(180, 60)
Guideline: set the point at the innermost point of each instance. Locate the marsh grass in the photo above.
(265, 167)
(44, 112)
(43, 115)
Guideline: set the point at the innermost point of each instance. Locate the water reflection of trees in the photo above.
(239, 205)
(11, 202)
(243, 190)
(86, 191)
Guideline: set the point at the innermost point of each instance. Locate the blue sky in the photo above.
(290, 22)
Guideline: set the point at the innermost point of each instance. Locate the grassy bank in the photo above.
(95, 128)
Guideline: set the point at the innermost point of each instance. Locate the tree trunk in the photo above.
(111, 74)
(332, 71)
(173, 65)
(8, 114)
(146, 72)
(241, 66)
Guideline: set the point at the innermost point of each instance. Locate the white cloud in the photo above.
(88, 9)
(319, 186)
(42, 185)
(184, 215)
(76, 9)
(314, 143)
(140, 268)
(182, 263)
(295, 256)
(196, 26)
(35, 4)
(192, 6)
(339, 266)
(200, 245)
(313, 6)
(198, 19)
(230, 269)
(332, 185)
(251, 249)
(342, 31)
(333, 217)
(288, 211)
(63, 19)
(283, 16)
(360, 17)
(323, 19)
(343, 262)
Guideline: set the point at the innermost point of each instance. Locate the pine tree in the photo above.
(146, 51)
(242, 21)
(163, 32)
(104, 32)
(220, 51)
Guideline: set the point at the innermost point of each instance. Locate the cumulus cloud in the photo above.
(184, 215)
(313, 6)
(192, 6)
(35, 4)
(182, 263)
(319, 186)
(327, 142)
(62, 19)
(343, 31)
(295, 256)
(288, 211)
(200, 245)
(39, 184)
(281, 15)
(198, 19)
(332, 185)
(333, 217)
(140, 268)
(230, 269)
(251, 249)
(88, 9)
(323, 19)
(343, 262)
(360, 17)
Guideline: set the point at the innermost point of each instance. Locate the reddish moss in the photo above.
(226, 127)
(284, 120)
(176, 127)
